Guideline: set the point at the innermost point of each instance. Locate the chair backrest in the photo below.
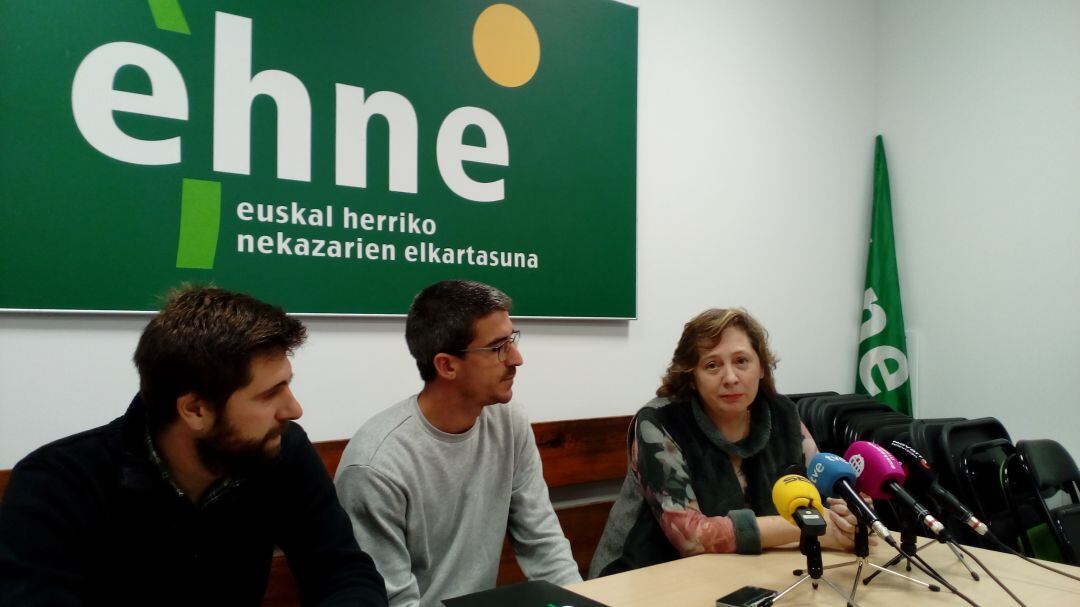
(825, 410)
(957, 436)
(1039, 470)
(1051, 467)
(981, 471)
(1066, 521)
(851, 415)
(872, 427)
(971, 454)
(890, 431)
(810, 408)
(802, 402)
(798, 396)
(924, 434)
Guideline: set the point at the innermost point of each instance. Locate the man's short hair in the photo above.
(441, 319)
(203, 342)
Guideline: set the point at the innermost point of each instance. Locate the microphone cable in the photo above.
(1010, 550)
(928, 570)
(989, 573)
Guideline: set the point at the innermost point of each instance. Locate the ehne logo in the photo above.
(94, 100)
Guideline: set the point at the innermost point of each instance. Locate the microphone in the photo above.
(834, 477)
(799, 503)
(922, 477)
(880, 475)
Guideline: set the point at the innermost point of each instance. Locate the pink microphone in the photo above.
(880, 475)
(874, 469)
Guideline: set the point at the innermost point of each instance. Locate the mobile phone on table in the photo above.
(747, 596)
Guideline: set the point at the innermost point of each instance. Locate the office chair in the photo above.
(1039, 471)
(973, 453)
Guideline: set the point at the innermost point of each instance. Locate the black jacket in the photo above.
(90, 520)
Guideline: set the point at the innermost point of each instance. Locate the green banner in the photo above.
(883, 367)
(330, 157)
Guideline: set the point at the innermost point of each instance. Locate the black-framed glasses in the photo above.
(502, 349)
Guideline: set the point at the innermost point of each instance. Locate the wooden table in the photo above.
(698, 581)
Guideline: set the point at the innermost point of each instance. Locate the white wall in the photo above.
(756, 124)
(979, 102)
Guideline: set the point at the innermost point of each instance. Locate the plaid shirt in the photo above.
(220, 487)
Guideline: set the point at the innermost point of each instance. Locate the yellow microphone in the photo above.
(793, 492)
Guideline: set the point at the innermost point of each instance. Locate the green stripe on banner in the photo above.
(169, 16)
(200, 220)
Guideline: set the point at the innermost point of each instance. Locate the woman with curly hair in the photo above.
(705, 453)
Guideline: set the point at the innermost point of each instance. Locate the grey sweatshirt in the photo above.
(432, 508)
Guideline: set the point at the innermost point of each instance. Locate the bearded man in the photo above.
(182, 500)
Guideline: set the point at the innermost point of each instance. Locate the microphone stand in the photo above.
(811, 548)
(862, 554)
(908, 543)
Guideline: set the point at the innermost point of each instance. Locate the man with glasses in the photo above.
(430, 481)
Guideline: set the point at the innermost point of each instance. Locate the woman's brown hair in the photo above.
(703, 333)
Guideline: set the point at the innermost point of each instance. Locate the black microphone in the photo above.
(881, 476)
(922, 477)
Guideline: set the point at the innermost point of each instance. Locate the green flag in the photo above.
(883, 365)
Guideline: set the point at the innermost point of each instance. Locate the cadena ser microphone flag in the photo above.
(792, 492)
(883, 370)
(798, 501)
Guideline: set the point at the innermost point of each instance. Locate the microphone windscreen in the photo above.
(874, 466)
(826, 470)
(792, 492)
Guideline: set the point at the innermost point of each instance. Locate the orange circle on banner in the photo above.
(506, 45)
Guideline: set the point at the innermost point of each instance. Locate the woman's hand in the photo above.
(840, 533)
(841, 525)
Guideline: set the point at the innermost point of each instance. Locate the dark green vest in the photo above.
(773, 446)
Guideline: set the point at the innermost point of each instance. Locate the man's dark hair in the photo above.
(441, 319)
(203, 342)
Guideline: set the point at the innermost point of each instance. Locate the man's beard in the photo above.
(224, 452)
